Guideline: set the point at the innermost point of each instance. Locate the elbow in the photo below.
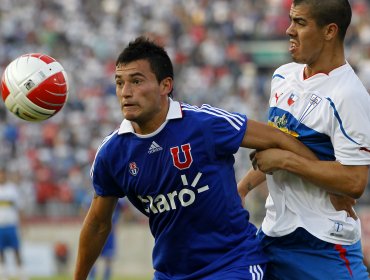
(358, 188)
(357, 194)
(355, 181)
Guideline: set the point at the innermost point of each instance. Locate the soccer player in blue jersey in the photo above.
(174, 162)
(318, 98)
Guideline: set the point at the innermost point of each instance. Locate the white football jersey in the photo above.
(331, 115)
(9, 204)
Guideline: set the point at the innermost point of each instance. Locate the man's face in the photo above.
(306, 38)
(138, 91)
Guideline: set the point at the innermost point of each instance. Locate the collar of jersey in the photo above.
(174, 112)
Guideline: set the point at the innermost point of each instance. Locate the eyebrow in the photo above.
(130, 75)
(297, 18)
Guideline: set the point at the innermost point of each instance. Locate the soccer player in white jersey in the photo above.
(319, 99)
(10, 208)
(174, 162)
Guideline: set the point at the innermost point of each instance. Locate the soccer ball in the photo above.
(34, 87)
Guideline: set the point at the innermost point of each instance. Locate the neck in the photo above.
(153, 122)
(326, 63)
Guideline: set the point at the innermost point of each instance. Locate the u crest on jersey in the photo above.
(186, 151)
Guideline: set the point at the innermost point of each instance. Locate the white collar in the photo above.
(174, 112)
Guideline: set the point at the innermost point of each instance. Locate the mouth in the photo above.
(293, 46)
(128, 107)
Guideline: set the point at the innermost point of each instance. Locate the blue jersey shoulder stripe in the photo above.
(278, 76)
(231, 118)
(105, 140)
(336, 114)
(235, 116)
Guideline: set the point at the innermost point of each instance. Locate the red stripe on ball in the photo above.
(51, 93)
(45, 58)
(4, 88)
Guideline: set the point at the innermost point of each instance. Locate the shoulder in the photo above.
(284, 70)
(348, 86)
(209, 117)
(108, 142)
(207, 111)
(106, 153)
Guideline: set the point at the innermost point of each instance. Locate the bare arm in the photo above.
(329, 175)
(251, 180)
(260, 136)
(95, 230)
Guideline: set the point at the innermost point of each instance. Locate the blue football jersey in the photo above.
(182, 177)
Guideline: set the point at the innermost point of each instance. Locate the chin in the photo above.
(128, 117)
(298, 60)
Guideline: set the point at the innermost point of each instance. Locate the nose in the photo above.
(124, 90)
(290, 31)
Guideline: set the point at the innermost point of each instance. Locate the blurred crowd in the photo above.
(224, 52)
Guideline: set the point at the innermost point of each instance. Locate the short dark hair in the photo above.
(143, 48)
(325, 12)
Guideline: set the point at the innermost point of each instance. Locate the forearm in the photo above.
(260, 136)
(92, 240)
(251, 180)
(329, 175)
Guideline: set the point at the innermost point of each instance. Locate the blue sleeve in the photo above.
(226, 130)
(102, 177)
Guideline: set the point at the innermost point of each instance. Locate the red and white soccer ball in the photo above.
(34, 87)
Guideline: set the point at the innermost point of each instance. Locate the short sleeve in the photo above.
(351, 129)
(102, 178)
(226, 129)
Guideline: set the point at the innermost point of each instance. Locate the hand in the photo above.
(252, 157)
(343, 202)
(268, 160)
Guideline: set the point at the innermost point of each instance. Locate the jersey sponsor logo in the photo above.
(154, 147)
(176, 157)
(170, 201)
(314, 101)
(133, 169)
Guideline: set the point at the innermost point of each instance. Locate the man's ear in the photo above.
(166, 86)
(331, 31)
